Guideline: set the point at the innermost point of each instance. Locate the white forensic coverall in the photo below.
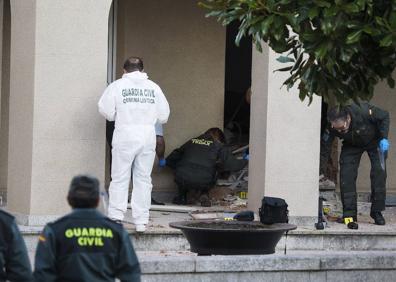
(136, 104)
(159, 130)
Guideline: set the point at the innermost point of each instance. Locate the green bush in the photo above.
(336, 49)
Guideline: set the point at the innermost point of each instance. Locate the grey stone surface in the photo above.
(160, 237)
(360, 260)
(160, 242)
(361, 276)
(273, 262)
(238, 277)
(359, 242)
(303, 220)
(292, 276)
(294, 261)
(164, 264)
(163, 240)
(34, 220)
(301, 242)
(338, 242)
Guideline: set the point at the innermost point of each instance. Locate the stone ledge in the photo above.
(303, 241)
(280, 276)
(296, 261)
(34, 220)
(36, 229)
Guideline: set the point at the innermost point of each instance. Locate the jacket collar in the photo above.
(78, 213)
(135, 75)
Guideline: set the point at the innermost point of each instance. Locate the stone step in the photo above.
(372, 238)
(333, 254)
(294, 266)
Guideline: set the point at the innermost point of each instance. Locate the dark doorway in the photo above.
(328, 169)
(238, 78)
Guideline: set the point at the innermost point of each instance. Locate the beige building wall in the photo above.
(3, 160)
(1, 47)
(284, 141)
(183, 52)
(56, 81)
(21, 106)
(385, 98)
(5, 89)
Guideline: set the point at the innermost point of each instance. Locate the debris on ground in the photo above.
(332, 209)
(325, 183)
(218, 193)
(200, 215)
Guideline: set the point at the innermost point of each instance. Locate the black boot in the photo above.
(378, 218)
(180, 199)
(154, 202)
(341, 219)
(353, 225)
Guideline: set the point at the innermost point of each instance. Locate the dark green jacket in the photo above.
(14, 261)
(369, 124)
(85, 246)
(196, 162)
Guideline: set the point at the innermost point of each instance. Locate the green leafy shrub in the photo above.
(336, 49)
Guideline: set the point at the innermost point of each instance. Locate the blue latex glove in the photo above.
(245, 155)
(162, 163)
(384, 145)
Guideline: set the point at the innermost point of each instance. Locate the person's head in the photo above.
(83, 192)
(133, 64)
(216, 133)
(339, 118)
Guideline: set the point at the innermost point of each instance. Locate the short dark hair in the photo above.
(133, 64)
(337, 113)
(217, 134)
(83, 192)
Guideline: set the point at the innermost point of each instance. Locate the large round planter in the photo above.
(207, 237)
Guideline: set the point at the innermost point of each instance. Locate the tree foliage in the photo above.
(334, 48)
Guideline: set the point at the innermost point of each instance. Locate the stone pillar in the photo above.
(58, 72)
(5, 92)
(3, 161)
(1, 47)
(284, 141)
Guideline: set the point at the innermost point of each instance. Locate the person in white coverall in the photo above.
(136, 104)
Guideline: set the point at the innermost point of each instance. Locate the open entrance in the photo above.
(328, 170)
(5, 45)
(238, 79)
(195, 61)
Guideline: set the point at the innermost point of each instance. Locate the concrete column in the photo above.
(284, 141)
(5, 92)
(58, 72)
(1, 45)
(3, 172)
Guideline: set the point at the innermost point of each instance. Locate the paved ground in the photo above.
(159, 221)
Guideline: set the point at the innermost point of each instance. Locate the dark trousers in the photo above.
(184, 186)
(349, 164)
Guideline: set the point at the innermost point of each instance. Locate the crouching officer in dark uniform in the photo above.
(85, 245)
(196, 164)
(363, 128)
(14, 261)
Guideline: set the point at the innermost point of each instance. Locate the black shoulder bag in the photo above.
(273, 210)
